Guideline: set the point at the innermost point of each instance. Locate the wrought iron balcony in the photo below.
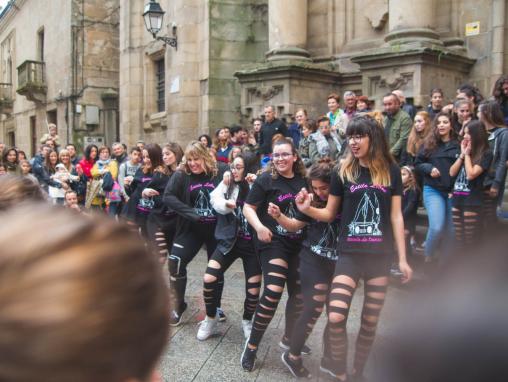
(31, 81)
(6, 99)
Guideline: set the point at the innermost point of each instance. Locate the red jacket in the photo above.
(87, 167)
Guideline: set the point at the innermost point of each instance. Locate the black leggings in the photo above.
(279, 262)
(220, 263)
(185, 247)
(316, 275)
(466, 224)
(161, 233)
(349, 269)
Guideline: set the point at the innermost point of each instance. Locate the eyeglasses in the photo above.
(355, 138)
(236, 168)
(281, 155)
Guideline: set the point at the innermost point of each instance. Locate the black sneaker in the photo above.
(248, 360)
(295, 366)
(175, 317)
(221, 315)
(285, 346)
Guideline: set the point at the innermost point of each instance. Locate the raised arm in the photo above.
(327, 214)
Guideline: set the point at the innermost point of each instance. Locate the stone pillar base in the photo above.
(291, 53)
(423, 36)
(287, 85)
(415, 71)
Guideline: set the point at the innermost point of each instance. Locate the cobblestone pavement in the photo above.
(218, 358)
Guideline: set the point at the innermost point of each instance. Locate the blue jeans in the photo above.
(439, 211)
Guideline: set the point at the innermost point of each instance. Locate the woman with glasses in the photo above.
(367, 189)
(277, 248)
(235, 240)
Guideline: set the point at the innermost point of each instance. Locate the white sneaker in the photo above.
(207, 328)
(247, 328)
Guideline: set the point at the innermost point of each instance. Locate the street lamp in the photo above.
(154, 16)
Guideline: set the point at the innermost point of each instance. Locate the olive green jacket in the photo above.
(399, 132)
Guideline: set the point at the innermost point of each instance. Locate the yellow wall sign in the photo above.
(473, 29)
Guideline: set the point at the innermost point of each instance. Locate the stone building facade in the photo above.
(59, 63)
(235, 56)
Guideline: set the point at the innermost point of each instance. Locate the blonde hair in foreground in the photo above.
(80, 302)
(378, 157)
(196, 150)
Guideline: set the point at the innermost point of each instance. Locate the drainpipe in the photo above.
(498, 31)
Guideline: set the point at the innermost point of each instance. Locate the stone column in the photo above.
(287, 30)
(412, 22)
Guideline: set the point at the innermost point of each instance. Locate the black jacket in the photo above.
(442, 158)
(496, 175)
(268, 130)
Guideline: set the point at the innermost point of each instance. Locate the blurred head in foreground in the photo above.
(80, 300)
(17, 189)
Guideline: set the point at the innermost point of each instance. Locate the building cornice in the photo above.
(8, 13)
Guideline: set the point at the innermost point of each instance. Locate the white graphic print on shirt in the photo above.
(290, 213)
(461, 186)
(202, 205)
(327, 245)
(365, 224)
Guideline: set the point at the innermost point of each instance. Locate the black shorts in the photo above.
(360, 265)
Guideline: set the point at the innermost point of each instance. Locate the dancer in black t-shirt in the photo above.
(235, 241)
(188, 194)
(368, 186)
(317, 263)
(469, 169)
(278, 248)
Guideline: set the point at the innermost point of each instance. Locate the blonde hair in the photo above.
(85, 303)
(62, 152)
(195, 149)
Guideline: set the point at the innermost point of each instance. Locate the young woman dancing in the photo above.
(317, 263)
(188, 194)
(368, 187)
(235, 241)
(278, 249)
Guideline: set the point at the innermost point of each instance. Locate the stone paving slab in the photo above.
(218, 358)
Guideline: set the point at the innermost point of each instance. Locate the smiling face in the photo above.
(350, 101)
(283, 159)
(168, 157)
(12, 156)
(333, 105)
(238, 169)
(53, 158)
(444, 127)
(118, 150)
(359, 145)
(65, 158)
(196, 165)
(300, 117)
(224, 135)
(93, 153)
(321, 189)
(361, 105)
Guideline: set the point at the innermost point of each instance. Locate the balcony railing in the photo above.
(31, 81)
(6, 98)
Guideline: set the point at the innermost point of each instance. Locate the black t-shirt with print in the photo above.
(200, 186)
(321, 238)
(280, 191)
(470, 192)
(244, 231)
(366, 208)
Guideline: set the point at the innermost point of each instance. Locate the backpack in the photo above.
(107, 182)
